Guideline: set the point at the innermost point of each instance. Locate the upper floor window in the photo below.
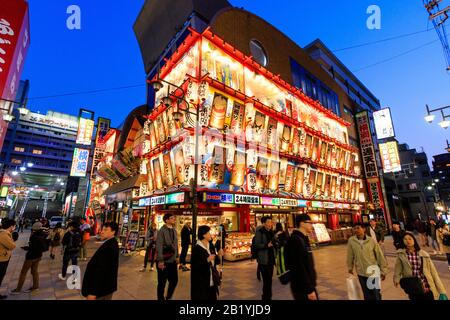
(19, 149)
(258, 53)
(36, 151)
(16, 161)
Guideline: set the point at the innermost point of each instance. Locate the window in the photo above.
(258, 53)
(348, 111)
(36, 151)
(16, 161)
(19, 149)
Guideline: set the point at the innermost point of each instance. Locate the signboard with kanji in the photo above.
(367, 149)
(79, 162)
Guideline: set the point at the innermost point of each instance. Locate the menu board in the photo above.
(320, 232)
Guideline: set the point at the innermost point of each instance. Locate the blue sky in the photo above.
(105, 54)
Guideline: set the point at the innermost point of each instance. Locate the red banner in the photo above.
(14, 42)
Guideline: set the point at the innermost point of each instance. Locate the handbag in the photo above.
(413, 285)
(168, 252)
(443, 297)
(217, 279)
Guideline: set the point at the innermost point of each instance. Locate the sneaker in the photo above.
(31, 290)
(61, 277)
(142, 270)
(15, 292)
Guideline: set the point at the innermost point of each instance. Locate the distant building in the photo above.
(441, 177)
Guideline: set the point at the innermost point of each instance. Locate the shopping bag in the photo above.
(354, 289)
(443, 297)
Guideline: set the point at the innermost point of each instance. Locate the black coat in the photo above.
(397, 236)
(100, 278)
(200, 273)
(186, 236)
(299, 260)
(36, 245)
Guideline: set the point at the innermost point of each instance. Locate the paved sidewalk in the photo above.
(239, 278)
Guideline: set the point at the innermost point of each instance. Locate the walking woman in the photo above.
(204, 282)
(55, 239)
(416, 273)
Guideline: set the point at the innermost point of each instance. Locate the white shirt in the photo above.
(373, 235)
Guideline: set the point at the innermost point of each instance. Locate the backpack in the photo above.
(446, 240)
(74, 242)
(283, 273)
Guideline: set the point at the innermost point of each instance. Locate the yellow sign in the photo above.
(390, 157)
(85, 130)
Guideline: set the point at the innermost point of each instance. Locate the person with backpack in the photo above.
(7, 245)
(55, 239)
(72, 243)
(265, 255)
(167, 257)
(36, 246)
(300, 262)
(100, 278)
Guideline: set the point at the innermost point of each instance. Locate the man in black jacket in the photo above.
(299, 260)
(71, 241)
(100, 278)
(186, 241)
(265, 255)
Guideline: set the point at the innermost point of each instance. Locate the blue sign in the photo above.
(215, 197)
(302, 203)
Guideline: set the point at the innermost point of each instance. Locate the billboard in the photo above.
(367, 148)
(383, 124)
(390, 157)
(14, 42)
(79, 162)
(85, 130)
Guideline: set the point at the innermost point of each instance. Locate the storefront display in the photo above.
(238, 246)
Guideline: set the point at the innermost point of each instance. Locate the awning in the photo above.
(130, 183)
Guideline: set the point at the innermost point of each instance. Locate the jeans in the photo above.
(66, 258)
(27, 265)
(170, 273)
(183, 254)
(150, 251)
(434, 243)
(267, 275)
(369, 294)
(20, 229)
(3, 268)
(83, 251)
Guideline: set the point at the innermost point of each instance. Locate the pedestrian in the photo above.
(204, 275)
(21, 224)
(365, 255)
(7, 246)
(416, 273)
(300, 261)
(265, 255)
(442, 234)
(55, 239)
(72, 243)
(150, 251)
(431, 233)
(397, 235)
(376, 232)
(281, 236)
(422, 230)
(100, 277)
(186, 241)
(168, 257)
(86, 235)
(36, 246)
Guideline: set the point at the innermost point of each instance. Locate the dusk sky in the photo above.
(105, 54)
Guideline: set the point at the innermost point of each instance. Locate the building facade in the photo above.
(441, 178)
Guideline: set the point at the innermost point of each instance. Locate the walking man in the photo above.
(72, 244)
(168, 257)
(366, 257)
(186, 241)
(432, 237)
(397, 235)
(36, 246)
(7, 245)
(21, 223)
(100, 278)
(150, 251)
(265, 255)
(300, 261)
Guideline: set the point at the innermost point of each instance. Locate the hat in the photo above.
(36, 226)
(302, 218)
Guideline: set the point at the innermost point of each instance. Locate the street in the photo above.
(239, 281)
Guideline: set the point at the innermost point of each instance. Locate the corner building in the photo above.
(266, 146)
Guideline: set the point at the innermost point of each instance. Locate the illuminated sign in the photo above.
(390, 157)
(246, 199)
(367, 149)
(329, 205)
(4, 192)
(214, 197)
(317, 204)
(79, 162)
(267, 201)
(85, 130)
(288, 202)
(175, 198)
(346, 206)
(302, 203)
(155, 201)
(355, 207)
(383, 124)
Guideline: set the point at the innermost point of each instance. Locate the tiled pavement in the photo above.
(239, 283)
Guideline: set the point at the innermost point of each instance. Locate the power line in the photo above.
(396, 56)
(87, 92)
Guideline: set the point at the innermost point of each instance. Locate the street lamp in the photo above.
(430, 117)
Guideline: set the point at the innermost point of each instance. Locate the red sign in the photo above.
(3, 131)
(14, 42)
